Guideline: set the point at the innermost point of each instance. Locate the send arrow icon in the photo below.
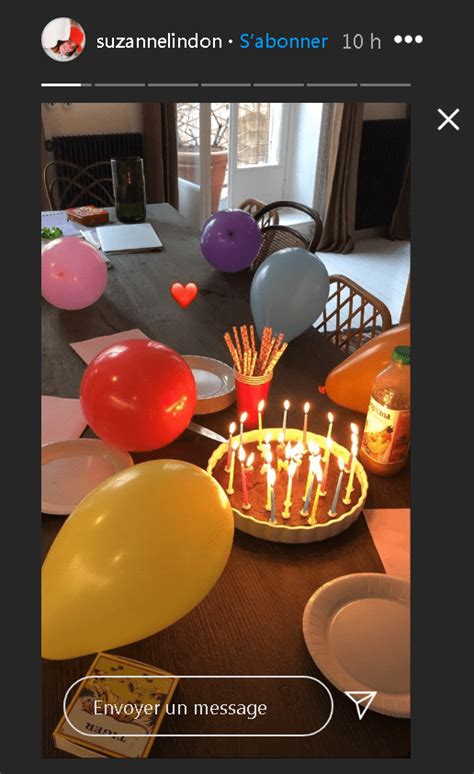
(362, 700)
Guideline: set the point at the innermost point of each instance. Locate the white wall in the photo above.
(190, 202)
(91, 118)
(303, 152)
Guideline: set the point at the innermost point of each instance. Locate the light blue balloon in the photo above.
(289, 291)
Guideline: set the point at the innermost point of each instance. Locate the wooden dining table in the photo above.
(251, 621)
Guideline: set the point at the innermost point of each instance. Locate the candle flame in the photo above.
(232, 428)
(268, 438)
(242, 454)
(286, 405)
(330, 418)
(281, 436)
(354, 428)
(243, 417)
(306, 408)
(354, 449)
(319, 473)
(340, 462)
(298, 449)
(288, 450)
(268, 457)
(235, 446)
(272, 477)
(292, 468)
(261, 406)
(314, 465)
(250, 460)
(313, 447)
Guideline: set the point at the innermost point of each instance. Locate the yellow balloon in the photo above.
(137, 554)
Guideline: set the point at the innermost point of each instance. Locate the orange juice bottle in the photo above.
(386, 438)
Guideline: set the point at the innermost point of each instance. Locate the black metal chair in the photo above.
(67, 184)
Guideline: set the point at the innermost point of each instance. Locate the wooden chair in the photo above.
(83, 183)
(352, 316)
(252, 206)
(277, 237)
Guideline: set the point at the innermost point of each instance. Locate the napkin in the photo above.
(390, 530)
(87, 350)
(61, 419)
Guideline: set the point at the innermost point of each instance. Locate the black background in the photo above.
(441, 303)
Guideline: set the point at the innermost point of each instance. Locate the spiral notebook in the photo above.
(136, 238)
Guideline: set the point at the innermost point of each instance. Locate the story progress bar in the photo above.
(228, 85)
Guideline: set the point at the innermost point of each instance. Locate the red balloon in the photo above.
(138, 395)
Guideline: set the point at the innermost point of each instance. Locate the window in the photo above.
(258, 133)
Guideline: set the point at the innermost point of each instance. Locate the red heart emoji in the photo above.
(184, 294)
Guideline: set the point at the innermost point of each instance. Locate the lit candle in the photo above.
(260, 408)
(305, 423)
(281, 440)
(312, 518)
(268, 468)
(272, 494)
(333, 508)
(328, 438)
(326, 468)
(230, 486)
(283, 464)
(314, 466)
(354, 432)
(245, 494)
(286, 406)
(243, 419)
(229, 445)
(314, 451)
(297, 455)
(249, 463)
(267, 445)
(298, 449)
(291, 473)
(350, 483)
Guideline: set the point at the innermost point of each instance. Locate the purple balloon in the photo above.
(73, 273)
(230, 240)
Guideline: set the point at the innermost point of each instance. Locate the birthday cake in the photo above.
(316, 507)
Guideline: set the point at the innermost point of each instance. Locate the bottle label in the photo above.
(386, 437)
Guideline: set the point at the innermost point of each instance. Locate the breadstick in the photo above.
(237, 342)
(266, 336)
(245, 338)
(252, 367)
(232, 350)
(276, 358)
(252, 338)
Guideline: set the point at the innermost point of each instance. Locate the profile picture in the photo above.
(63, 39)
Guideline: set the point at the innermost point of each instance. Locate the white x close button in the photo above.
(448, 120)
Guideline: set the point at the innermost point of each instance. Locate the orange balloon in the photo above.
(350, 383)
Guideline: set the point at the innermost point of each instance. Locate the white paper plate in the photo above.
(357, 630)
(71, 469)
(215, 383)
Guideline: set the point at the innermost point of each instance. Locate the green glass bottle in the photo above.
(128, 178)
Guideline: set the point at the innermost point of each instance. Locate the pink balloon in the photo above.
(73, 273)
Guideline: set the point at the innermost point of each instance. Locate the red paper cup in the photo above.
(250, 390)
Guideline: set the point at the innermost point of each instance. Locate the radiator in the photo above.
(384, 152)
(85, 149)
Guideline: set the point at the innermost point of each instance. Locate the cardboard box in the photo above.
(119, 698)
(88, 215)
